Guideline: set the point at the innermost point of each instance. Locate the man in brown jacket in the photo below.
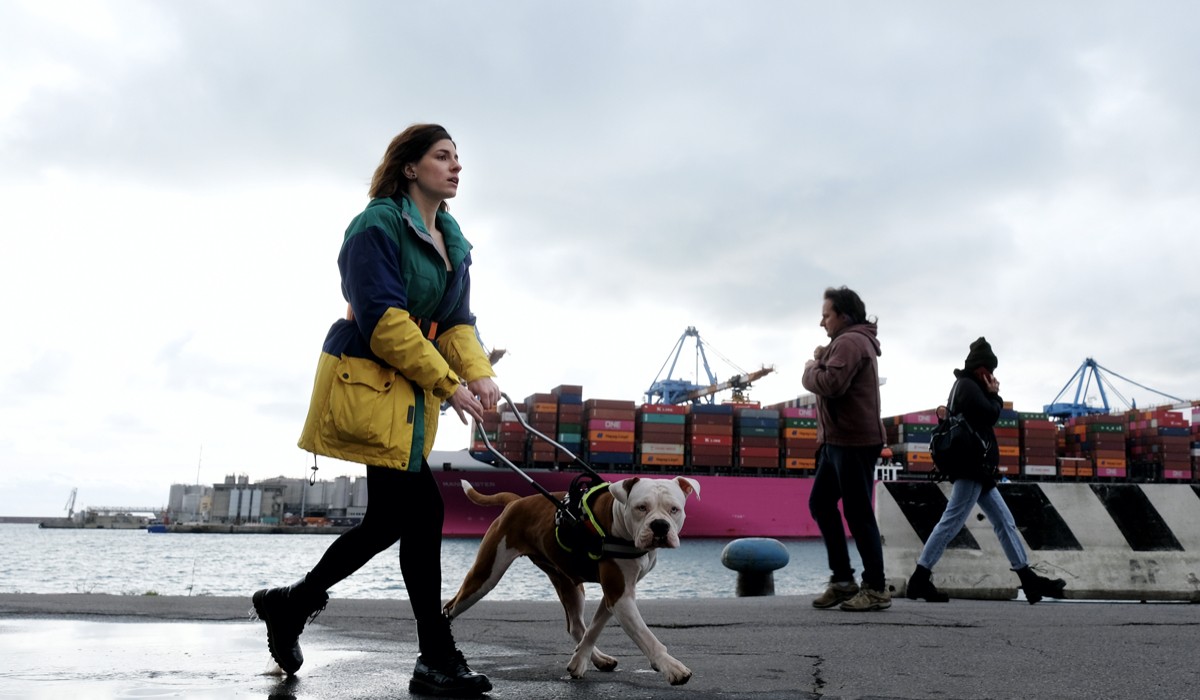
(844, 376)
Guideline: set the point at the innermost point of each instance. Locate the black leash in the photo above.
(570, 519)
(578, 487)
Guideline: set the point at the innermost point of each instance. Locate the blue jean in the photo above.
(963, 495)
(848, 474)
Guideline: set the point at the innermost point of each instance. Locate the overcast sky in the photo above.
(176, 178)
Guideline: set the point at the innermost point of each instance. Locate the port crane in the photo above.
(676, 391)
(70, 507)
(1088, 372)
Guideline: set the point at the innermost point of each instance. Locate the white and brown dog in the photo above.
(647, 512)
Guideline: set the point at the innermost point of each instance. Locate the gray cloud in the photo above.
(1024, 172)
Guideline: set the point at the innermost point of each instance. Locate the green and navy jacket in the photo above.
(408, 343)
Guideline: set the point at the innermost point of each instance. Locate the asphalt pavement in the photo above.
(102, 647)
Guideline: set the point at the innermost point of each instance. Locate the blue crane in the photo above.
(676, 391)
(1088, 371)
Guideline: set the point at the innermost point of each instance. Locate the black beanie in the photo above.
(981, 355)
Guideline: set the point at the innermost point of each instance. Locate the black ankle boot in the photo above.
(286, 610)
(920, 586)
(1038, 587)
(447, 676)
(441, 669)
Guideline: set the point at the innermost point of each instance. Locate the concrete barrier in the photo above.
(1108, 541)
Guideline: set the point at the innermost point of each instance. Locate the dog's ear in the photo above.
(688, 486)
(621, 489)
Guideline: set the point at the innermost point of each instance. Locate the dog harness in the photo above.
(578, 532)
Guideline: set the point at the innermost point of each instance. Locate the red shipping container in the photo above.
(759, 462)
(609, 414)
(752, 441)
(764, 452)
(665, 433)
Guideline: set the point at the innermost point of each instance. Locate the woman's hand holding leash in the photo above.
(474, 398)
(486, 391)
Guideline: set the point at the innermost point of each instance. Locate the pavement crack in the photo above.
(818, 687)
(668, 626)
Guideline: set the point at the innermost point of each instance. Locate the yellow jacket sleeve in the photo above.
(398, 341)
(461, 348)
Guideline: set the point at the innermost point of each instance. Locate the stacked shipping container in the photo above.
(1008, 441)
(1196, 444)
(756, 432)
(1039, 444)
(710, 436)
(1094, 446)
(610, 431)
(541, 412)
(570, 420)
(799, 438)
(661, 435)
(1152, 445)
(1160, 444)
(909, 435)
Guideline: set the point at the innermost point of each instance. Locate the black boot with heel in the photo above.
(286, 610)
(921, 586)
(1038, 587)
(441, 669)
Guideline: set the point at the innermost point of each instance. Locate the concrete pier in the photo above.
(98, 647)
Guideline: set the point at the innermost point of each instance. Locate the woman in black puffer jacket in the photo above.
(976, 395)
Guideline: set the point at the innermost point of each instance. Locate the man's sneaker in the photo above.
(448, 677)
(836, 592)
(868, 598)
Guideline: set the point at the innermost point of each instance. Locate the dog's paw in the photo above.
(602, 661)
(675, 672)
(577, 667)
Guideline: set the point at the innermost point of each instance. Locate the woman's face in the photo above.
(437, 171)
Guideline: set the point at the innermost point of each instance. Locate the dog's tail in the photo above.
(496, 499)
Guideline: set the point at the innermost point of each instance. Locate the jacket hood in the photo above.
(868, 331)
(964, 374)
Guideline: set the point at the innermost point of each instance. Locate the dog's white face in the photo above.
(651, 510)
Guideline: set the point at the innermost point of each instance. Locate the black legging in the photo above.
(401, 506)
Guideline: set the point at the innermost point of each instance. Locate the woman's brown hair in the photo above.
(409, 146)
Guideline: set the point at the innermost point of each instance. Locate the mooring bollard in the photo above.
(754, 558)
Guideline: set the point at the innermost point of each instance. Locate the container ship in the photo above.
(755, 463)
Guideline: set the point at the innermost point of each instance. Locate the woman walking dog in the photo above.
(408, 344)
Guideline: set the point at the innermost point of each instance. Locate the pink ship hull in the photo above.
(728, 507)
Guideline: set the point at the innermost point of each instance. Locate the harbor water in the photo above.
(135, 562)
